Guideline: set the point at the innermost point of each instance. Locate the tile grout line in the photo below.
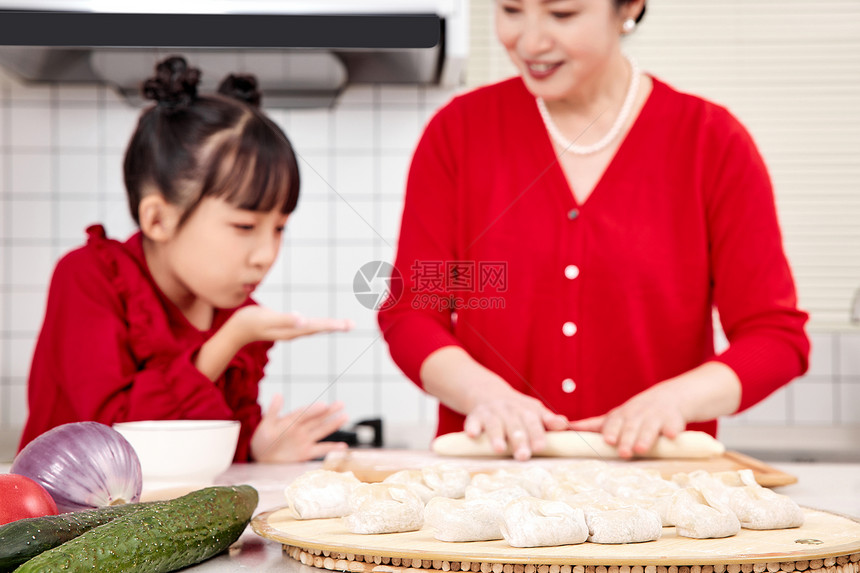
(377, 213)
(836, 340)
(5, 370)
(101, 164)
(286, 292)
(332, 205)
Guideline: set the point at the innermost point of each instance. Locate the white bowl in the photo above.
(181, 451)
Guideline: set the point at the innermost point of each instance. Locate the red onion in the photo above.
(83, 465)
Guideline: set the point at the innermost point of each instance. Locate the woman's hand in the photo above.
(511, 418)
(704, 393)
(296, 436)
(490, 404)
(254, 322)
(634, 426)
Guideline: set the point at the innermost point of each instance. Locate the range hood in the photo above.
(304, 53)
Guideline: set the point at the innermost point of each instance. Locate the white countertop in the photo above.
(831, 487)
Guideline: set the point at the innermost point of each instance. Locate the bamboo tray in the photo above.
(826, 543)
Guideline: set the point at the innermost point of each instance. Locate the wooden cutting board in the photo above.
(825, 541)
(373, 465)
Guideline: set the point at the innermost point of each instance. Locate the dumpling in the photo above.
(636, 482)
(760, 508)
(625, 525)
(494, 481)
(384, 508)
(694, 517)
(501, 496)
(447, 480)
(535, 480)
(736, 478)
(584, 497)
(580, 472)
(755, 506)
(414, 480)
(532, 522)
(464, 520)
(321, 494)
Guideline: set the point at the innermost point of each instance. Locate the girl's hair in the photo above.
(188, 147)
(620, 3)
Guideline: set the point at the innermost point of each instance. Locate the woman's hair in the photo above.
(188, 146)
(620, 3)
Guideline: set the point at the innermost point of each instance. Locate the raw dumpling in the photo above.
(414, 480)
(464, 520)
(502, 496)
(626, 525)
(384, 508)
(693, 517)
(493, 482)
(447, 480)
(320, 494)
(585, 498)
(535, 480)
(755, 506)
(532, 522)
(580, 473)
(760, 508)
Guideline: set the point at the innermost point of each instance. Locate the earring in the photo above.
(628, 26)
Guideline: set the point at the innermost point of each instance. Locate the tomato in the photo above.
(21, 497)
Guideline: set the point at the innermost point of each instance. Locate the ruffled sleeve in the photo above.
(108, 352)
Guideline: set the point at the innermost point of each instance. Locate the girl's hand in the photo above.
(511, 418)
(296, 436)
(253, 323)
(634, 426)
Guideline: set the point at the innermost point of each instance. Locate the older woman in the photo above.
(566, 236)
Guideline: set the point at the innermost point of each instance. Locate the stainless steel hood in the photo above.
(303, 53)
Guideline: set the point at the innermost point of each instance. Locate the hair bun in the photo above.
(242, 87)
(174, 84)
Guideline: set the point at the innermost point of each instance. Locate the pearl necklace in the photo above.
(613, 132)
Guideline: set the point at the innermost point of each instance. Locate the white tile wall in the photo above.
(849, 400)
(848, 354)
(78, 173)
(29, 171)
(61, 152)
(32, 125)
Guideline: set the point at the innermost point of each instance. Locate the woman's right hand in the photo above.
(254, 322)
(490, 404)
(513, 419)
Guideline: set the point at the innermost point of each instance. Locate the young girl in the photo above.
(162, 326)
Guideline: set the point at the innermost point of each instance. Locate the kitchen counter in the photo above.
(831, 487)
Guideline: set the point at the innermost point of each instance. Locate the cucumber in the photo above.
(163, 537)
(23, 539)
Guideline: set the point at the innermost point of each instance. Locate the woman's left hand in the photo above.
(704, 393)
(634, 426)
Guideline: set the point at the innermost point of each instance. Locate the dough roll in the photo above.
(572, 444)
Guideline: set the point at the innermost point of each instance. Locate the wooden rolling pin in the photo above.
(571, 444)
